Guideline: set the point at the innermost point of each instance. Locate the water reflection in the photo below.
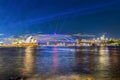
(104, 62)
(115, 62)
(10, 63)
(29, 61)
(55, 63)
(55, 60)
(85, 60)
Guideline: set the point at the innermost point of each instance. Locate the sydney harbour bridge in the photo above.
(58, 39)
(55, 39)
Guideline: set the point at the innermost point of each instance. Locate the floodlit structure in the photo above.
(55, 39)
(30, 39)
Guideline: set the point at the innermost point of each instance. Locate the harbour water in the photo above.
(60, 63)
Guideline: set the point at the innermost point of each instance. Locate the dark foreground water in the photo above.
(60, 63)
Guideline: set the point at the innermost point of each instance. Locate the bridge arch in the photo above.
(55, 39)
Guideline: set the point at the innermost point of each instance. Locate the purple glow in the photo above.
(55, 38)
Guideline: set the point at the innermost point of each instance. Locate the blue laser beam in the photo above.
(47, 18)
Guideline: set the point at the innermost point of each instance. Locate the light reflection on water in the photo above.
(29, 61)
(57, 63)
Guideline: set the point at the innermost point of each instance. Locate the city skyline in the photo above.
(59, 39)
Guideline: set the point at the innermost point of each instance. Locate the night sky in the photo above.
(60, 16)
